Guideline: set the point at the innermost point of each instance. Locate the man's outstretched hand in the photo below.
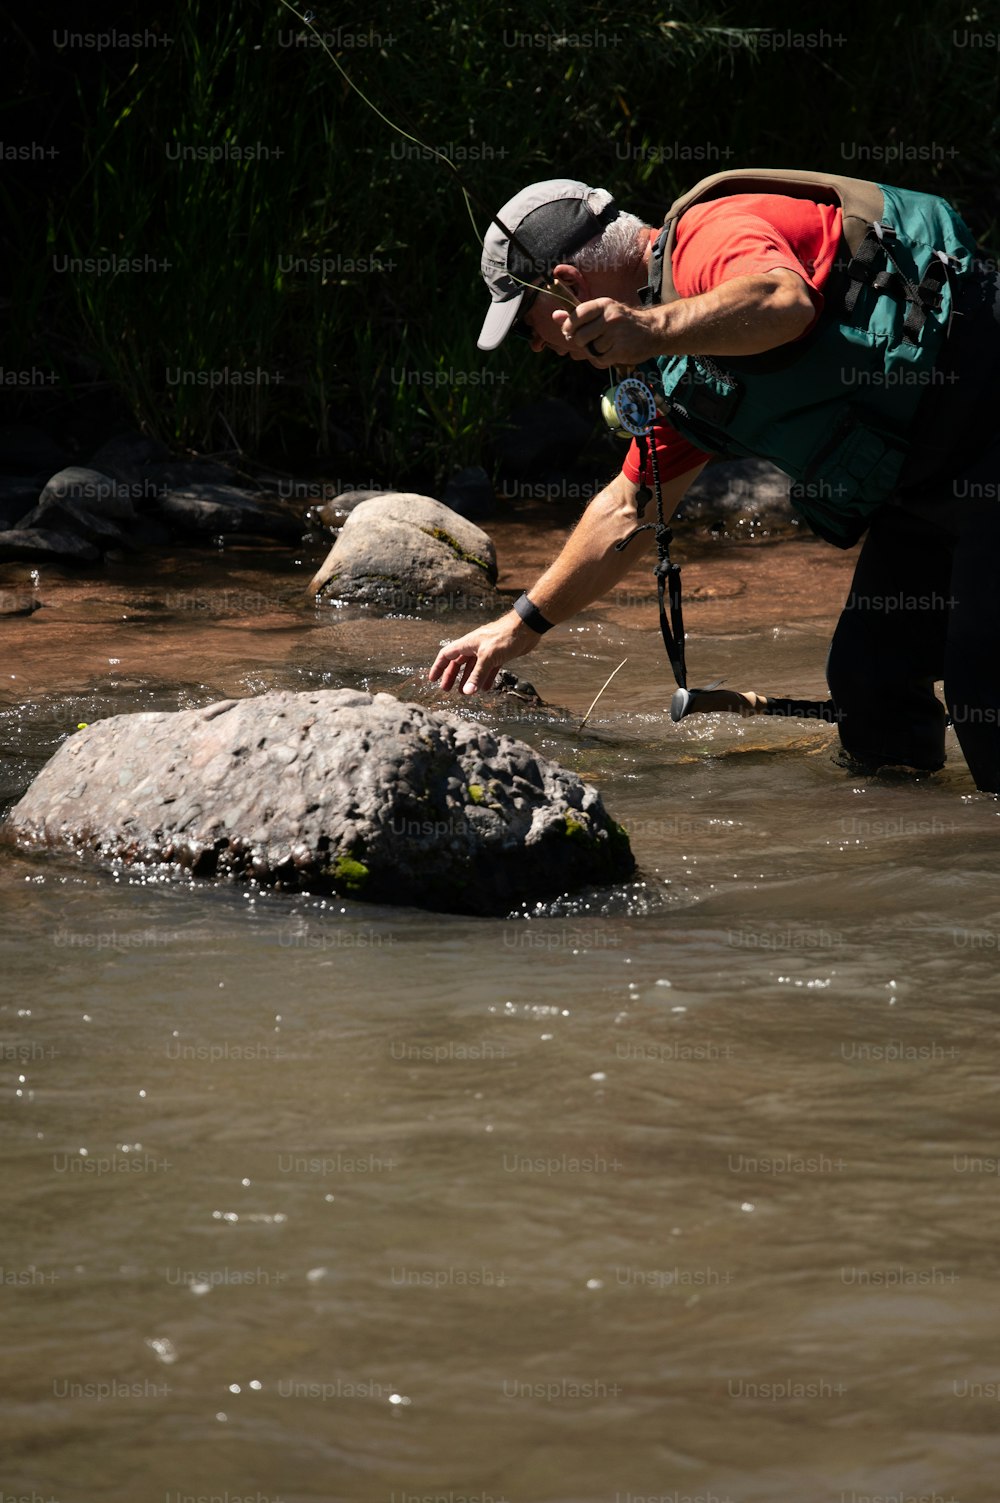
(472, 662)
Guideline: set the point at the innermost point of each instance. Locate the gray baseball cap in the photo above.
(532, 233)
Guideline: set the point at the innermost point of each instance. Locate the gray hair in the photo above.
(620, 245)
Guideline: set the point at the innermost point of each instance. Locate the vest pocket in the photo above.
(849, 478)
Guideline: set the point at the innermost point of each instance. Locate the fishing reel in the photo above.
(629, 408)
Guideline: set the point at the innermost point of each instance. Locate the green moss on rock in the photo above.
(456, 547)
(609, 843)
(349, 874)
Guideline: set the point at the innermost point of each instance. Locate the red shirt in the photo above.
(739, 236)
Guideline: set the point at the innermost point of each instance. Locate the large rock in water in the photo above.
(334, 790)
(402, 550)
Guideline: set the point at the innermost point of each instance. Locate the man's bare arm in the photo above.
(586, 568)
(743, 316)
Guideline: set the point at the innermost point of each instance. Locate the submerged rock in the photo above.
(400, 550)
(331, 791)
(19, 601)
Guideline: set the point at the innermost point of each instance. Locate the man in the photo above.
(845, 330)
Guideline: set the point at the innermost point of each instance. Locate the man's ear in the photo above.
(574, 279)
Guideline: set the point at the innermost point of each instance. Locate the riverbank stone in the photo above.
(400, 549)
(329, 791)
(64, 515)
(36, 545)
(741, 500)
(209, 509)
(94, 492)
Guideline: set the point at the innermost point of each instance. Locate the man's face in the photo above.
(574, 287)
(545, 333)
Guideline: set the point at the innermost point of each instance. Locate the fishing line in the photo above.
(467, 193)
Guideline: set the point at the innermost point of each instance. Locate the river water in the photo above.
(684, 1191)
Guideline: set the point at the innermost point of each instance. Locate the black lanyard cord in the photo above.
(668, 574)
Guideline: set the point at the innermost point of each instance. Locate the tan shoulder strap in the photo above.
(862, 203)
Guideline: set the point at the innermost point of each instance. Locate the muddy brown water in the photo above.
(687, 1190)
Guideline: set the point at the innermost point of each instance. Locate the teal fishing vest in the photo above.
(835, 409)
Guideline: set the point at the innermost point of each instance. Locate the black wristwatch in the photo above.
(531, 615)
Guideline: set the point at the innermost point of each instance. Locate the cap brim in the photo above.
(499, 321)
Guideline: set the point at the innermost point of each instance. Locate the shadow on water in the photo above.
(679, 1190)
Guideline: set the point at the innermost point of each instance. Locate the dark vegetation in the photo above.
(369, 366)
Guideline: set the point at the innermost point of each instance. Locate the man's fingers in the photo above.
(481, 676)
(473, 662)
(445, 666)
(482, 671)
(454, 664)
(439, 665)
(585, 331)
(586, 313)
(458, 672)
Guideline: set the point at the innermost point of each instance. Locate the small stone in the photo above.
(334, 513)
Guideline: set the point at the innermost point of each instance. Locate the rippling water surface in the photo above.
(688, 1190)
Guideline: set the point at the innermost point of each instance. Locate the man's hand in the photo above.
(612, 333)
(588, 565)
(473, 661)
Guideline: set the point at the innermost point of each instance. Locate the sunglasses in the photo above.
(520, 328)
